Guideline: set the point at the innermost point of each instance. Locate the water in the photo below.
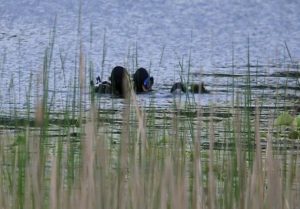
(163, 32)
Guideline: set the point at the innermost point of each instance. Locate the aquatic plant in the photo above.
(284, 119)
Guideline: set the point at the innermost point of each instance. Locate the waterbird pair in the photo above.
(120, 82)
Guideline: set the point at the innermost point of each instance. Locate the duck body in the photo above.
(103, 88)
(142, 81)
(120, 81)
(193, 88)
(200, 89)
(178, 87)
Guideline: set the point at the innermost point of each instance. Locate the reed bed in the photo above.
(145, 170)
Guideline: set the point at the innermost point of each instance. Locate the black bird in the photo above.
(196, 88)
(193, 88)
(178, 86)
(142, 81)
(120, 81)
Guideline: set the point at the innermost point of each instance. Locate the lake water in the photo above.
(164, 33)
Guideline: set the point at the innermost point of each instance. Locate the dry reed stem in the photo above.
(87, 186)
(255, 195)
(167, 188)
(141, 118)
(102, 179)
(274, 193)
(28, 184)
(197, 193)
(39, 108)
(39, 114)
(137, 186)
(53, 183)
(241, 162)
(81, 69)
(34, 193)
(28, 187)
(5, 198)
(123, 157)
(211, 177)
(154, 181)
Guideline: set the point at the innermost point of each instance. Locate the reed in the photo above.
(104, 53)
(144, 172)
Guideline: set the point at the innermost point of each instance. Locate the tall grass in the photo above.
(144, 173)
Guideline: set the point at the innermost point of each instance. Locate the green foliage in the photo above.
(284, 119)
(296, 122)
(293, 134)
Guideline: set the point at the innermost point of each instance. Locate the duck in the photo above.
(142, 80)
(196, 88)
(178, 86)
(120, 81)
(101, 87)
(193, 88)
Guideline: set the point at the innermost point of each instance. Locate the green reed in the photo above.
(140, 175)
(247, 105)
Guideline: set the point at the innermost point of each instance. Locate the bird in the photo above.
(193, 88)
(143, 82)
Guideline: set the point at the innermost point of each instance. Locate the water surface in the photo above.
(161, 34)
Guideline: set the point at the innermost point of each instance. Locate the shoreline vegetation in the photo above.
(148, 167)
